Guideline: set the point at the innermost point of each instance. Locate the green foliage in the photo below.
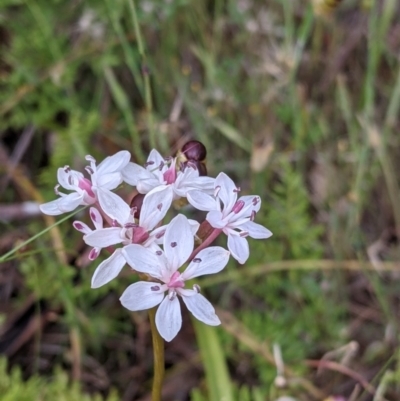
(37, 388)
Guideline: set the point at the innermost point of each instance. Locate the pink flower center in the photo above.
(176, 281)
(170, 174)
(86, 185)
(139, 235)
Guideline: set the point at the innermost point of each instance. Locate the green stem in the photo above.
(158, 352)
(146, 76)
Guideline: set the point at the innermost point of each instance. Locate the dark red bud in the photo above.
(194, 150)
(137, 202)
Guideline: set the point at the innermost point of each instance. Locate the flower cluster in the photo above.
(134, 233)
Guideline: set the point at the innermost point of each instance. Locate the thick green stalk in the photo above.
(158, 352)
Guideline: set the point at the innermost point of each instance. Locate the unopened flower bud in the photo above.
(137, 202)
(194, 151)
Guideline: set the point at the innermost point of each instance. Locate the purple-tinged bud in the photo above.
(194, 151)
(137, 202)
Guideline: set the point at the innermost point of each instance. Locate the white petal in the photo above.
(114, 206)
(145, 186)
(114, 163)
(51, 208)
(154, 161)
(239, 248)
(132, 173)
(252, 202)
(215, 218)
(157, 235)
(202, 201)
(108, 269)
(208, 261)
(256, 230)
(155, 206)
(142, 295)
(227, 190)
(201, 309)
(143, 260)
(104, 237)
(64, 178)
(62, 205)
(178, 241)
(109, 181)
(169, 318)
(184, 181)
(194, 226)
(205, 184)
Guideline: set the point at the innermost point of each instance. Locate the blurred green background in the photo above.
(298, 101)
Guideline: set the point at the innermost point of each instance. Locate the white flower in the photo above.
(163, 267)
(231, 215)
(104, 177)
(157, 174)
(126, 231)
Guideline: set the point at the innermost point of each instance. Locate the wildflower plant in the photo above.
(164, 254)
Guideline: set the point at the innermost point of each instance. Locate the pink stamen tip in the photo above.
(196, 260)
(77, 225)
(70, 181)
(243, 234)
(159, 253)
(237, 189)
(255, 200)
(160, 167)
(147, 164)
(155, 288)
(216, 191)
(160, 234)
(253, 215)
(94, 253)
(173, 244)
(67, 169)
(114, 223)
(238, 206)
(159, 206)
(93, 217)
